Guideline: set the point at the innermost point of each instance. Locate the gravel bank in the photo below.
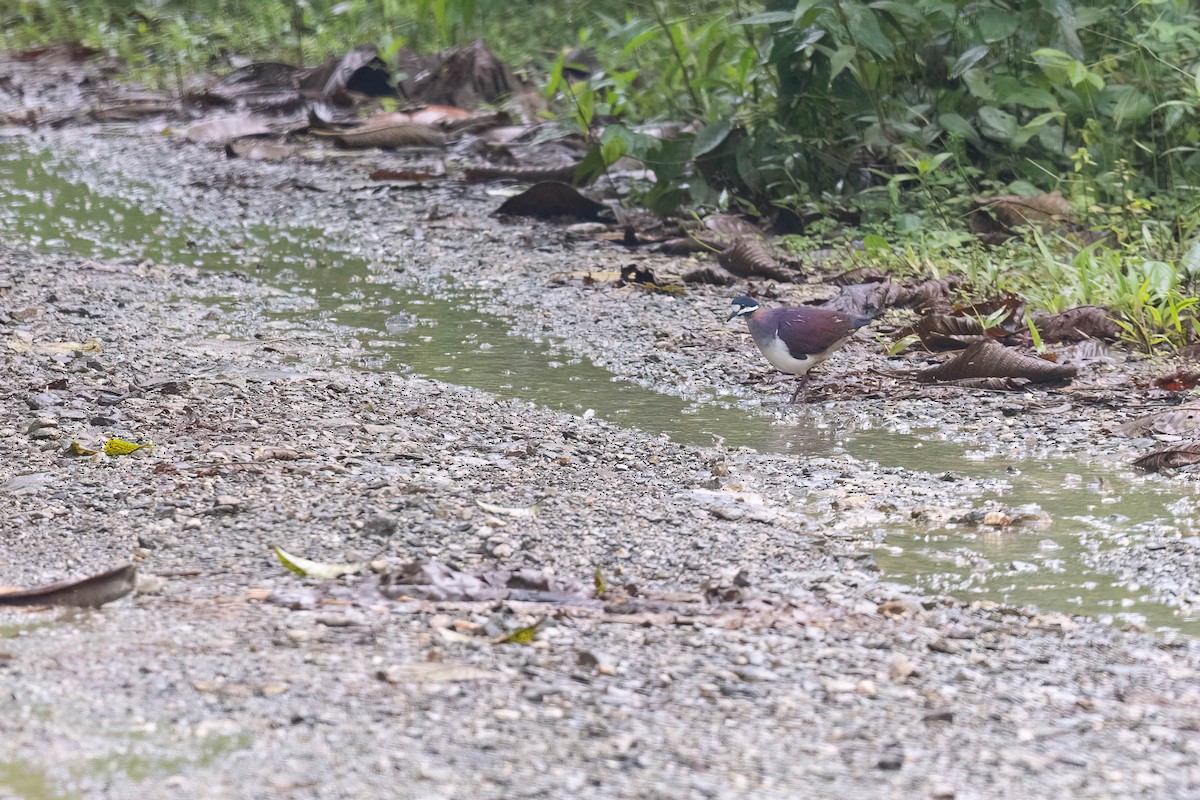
(766, 658)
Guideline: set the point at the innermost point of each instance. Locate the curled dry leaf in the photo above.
(933, 294)
(316, 569)
(945, 332)
(1174, 457)
(711, 274)
(987, 359)
(552, 199)
(76, 449)
(1077, 325)
(19, 345)
(226, 129)
(1174, 421)
(361, 70)
(386, 135)
(1181, 380)
(1046, 211)
(91, 592)
(633, 275)
(858, 275)
(993, 384)
(750, 257)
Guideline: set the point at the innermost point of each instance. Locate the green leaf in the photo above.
(874, 243)
(711, 137)
(585, 101)
(316, 569)
(1041, 120)
(1029, 97)
(978, 85)
(768, 18)
(997, 125)
(865, 29)
(637, 41)
(968, 60)
(996, 24)
(956, 125)
(804, 14)
(840, 59)
(520, 635)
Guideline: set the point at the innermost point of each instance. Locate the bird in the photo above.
(796, 339)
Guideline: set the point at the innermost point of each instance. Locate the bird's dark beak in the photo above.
(733, 314)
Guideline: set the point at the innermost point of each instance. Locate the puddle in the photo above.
(448, 339)
(27, 781)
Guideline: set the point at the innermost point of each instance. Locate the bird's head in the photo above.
(742, 306)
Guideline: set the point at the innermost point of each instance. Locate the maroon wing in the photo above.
(808, 331)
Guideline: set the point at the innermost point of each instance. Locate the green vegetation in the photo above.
(836, 117)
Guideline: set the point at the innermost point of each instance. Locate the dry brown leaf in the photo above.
(1076, 325)
(1174, 421)
(226, 129)
(1046, 211)
(90, 592)
(987, 359)
(945, 332)
(552, 199)
(750, 257)
(386, 135)
(1174, 457)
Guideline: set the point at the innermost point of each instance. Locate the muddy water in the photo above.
(448, 339)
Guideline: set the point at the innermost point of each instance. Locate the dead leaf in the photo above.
(1046, 211)
(120, 447)
(1076, 325)
(712, 274)
(465, 77)
(1173, 422)
(1174, 457)
(750, 257)
(361, 71)
(858, 275)
(988, 359)
(76, 449)
(19, 345)
(317, 569)
(226, 129)
(1181, 380)
(520, 635)
(91, 592)
(945, 331)
(552, 199)
(385, 135)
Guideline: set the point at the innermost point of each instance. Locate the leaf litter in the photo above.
(90, 592)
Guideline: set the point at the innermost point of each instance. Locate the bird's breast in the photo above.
(781, 358)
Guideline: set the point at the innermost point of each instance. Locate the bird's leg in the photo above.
(800, 384)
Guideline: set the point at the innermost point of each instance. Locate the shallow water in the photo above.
(449, 339)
